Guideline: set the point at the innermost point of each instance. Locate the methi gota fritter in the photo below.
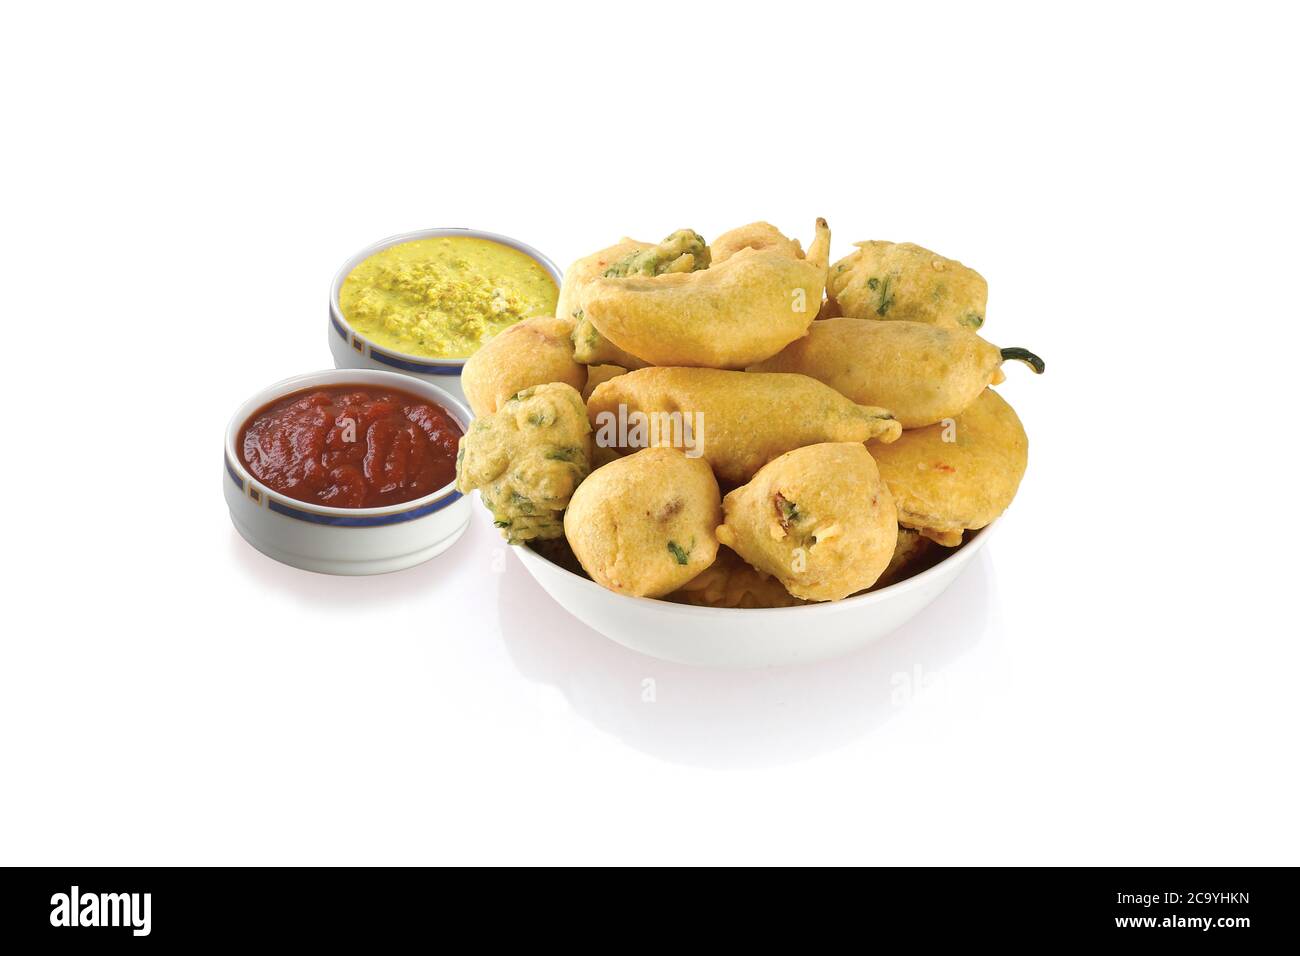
(527, 459)
(853, 448)
(902, 281)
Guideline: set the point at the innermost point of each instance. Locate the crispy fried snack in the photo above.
(683, 251)
(922, 373)
(757, 235)
(644, 525)
(735, 313)
(596, 374)
(819, 519)
(950, 478)
(590, 347)
(533, 352)
(912, 554)
(730, 582)
(526, 459)
(739, 421)
(899, 280)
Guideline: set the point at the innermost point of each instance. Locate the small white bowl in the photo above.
(353, 350)
(343, 540)
(744, 637)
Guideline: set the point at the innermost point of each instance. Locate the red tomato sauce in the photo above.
(351, 446)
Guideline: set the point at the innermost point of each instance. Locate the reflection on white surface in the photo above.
(342, 592)
(738, 718)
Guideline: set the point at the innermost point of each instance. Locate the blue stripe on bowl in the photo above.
(343, 333)
(364, 521)
(234, 475)
(409, 366)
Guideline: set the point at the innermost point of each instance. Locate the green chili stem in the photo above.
(1026, 356)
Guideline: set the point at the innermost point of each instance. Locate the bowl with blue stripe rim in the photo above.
(351, 349)
(343, 540)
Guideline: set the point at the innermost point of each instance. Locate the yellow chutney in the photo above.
(444, 297)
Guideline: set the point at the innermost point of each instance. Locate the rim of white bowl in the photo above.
(969, 549)
(336, 310)
(342, 376)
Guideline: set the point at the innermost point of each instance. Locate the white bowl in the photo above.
(353, 350)
(343, 540)
(743, 637)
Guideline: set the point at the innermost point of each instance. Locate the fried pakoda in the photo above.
(738, 421)
(735, 313)
(819, 519)
(533, 352)
(683, 251)
(596, 374)
(757, 235)
(922, 373)
(899, 280)
(959, 476)
(527, 458)
(912, 554)
(731, 582)
(644, 525)
(590, 347)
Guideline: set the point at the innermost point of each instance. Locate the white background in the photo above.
(1113, 681)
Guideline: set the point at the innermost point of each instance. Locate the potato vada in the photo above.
(819, 519)
(957, 476)
(644, 525)
(900, 280)
(533, 352)
(922, 373)
(734, 313)
(527, 458)
(738, 421)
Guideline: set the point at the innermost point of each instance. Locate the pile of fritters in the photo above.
(762, 428)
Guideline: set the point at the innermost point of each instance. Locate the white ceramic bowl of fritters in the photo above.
(744, 637)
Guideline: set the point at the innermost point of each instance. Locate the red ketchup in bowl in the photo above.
(351, 446)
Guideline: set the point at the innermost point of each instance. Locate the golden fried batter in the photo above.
(527, 458)
(590, 347)
(912, 554)
(644, 524)
(757, 235)
(735, 313)
(738, 421)
(683, 251)
(596, 374)
(730, 582)
(922, 373)
(533, 352)
(899, 280)
(960, 476)
(819, 519)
